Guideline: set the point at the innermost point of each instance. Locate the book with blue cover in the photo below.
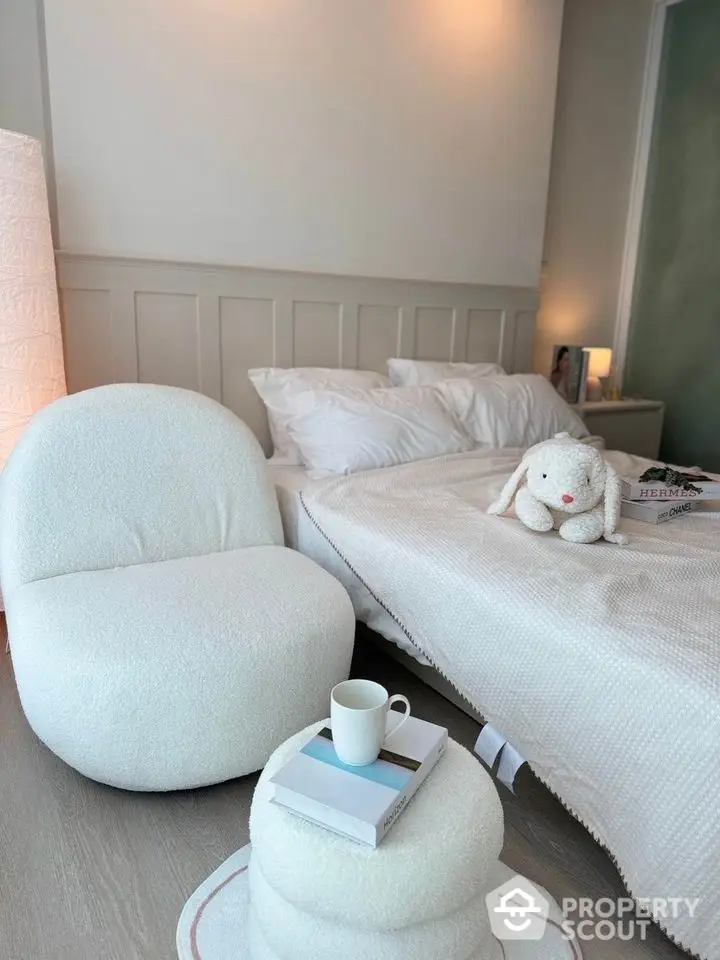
(361, 803)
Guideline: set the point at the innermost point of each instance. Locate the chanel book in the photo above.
(657, 511)
(361, 803)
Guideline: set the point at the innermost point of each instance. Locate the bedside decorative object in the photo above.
(634, 426)
(31, 354)
(427, 892)
(569, 372)
(599, 365)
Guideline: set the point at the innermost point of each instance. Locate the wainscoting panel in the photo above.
(484, 335)
(247, 337)
(378, 332)
(88, 339)
(203, 327)
(167, 337)
(522, 348)
(434, 333)
(317, 334)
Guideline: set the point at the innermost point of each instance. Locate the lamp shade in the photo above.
(599, 361)
(31, 356)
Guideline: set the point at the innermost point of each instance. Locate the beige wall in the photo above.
(601, 69)
(23, 81)
(21, 100)
(602, 64)
(393, 138)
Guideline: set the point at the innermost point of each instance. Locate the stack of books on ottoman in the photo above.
(359, 802)
(663, 493)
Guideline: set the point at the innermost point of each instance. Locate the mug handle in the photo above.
(398, 698)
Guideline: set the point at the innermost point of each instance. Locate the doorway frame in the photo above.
(638, 184)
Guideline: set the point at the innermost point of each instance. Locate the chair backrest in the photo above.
(129, 474)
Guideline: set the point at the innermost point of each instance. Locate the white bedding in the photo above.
(600, 663)
(301, 534)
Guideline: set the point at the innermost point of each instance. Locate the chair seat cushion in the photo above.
(175, 674)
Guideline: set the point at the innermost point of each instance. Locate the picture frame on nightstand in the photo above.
(568, 372)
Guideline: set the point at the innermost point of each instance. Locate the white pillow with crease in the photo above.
(511, 411)
(415, 373)
(350, 430)
(279, 386)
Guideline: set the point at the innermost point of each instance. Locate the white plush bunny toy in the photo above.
(570, 487)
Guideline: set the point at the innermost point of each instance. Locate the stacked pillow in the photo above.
(346, 431)
(342, 421)
(414, 373)
(510, 411)
(278, 389)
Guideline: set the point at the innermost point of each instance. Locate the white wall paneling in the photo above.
(202, 328)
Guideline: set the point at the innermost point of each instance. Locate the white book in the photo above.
(361, 803)
(699, 487)
(657, 511)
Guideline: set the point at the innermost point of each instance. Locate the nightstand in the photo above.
(634, 426)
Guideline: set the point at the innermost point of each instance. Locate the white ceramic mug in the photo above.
(358, 716)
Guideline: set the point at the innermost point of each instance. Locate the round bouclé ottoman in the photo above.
(435, 859)
(420, 893)
(300, 892)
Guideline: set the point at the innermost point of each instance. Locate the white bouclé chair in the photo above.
(162, 636)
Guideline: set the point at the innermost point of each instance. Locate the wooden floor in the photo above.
(92, 873)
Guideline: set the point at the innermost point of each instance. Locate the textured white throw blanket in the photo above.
(600, 663)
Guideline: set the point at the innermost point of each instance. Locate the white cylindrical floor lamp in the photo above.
(32, 372)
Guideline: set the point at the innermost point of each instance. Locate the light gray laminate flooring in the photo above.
(92, 873)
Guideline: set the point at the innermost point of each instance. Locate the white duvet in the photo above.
(600, 663)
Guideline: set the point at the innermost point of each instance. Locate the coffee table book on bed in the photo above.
(360, 803)
(657, 511)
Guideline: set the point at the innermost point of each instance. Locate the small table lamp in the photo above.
(32, 373)
(599, 366)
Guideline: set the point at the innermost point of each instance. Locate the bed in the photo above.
(599, 663)
(621, 725)
(292, 483)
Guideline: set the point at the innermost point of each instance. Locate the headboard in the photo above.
(203, 327)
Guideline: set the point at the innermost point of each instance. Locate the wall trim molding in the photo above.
(501, 291)
(638, 188)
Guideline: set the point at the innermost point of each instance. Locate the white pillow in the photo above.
(414, 373)
(278, 388)
(342, 432)
(514, 411)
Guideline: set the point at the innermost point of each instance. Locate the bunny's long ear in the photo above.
(509, 490)
(613, 498)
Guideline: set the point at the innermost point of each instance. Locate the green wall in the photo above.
(674, 349)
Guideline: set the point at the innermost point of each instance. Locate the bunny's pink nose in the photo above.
(567, 498)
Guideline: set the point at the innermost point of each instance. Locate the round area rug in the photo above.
(213, 924)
